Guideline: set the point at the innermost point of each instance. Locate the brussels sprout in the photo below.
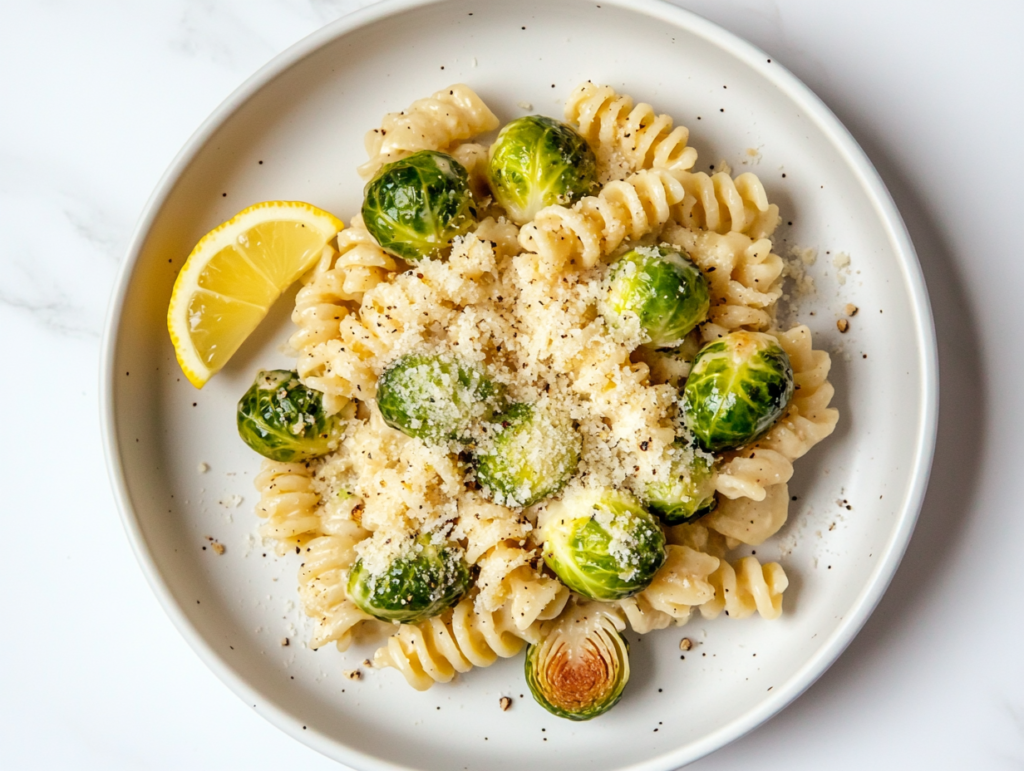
(283, 420)
(602, 543)
(416, 206)
(738, 387)
(662, 289)
(536, 162)
(423, 583)
(684, 490)
(578, 671)
(531, 458)
(435, 397)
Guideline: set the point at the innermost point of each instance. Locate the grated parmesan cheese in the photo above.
(842, 265)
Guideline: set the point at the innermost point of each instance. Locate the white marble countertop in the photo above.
(98, 97)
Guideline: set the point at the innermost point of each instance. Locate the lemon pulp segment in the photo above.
(234, 275)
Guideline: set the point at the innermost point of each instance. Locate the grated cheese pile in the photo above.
(542, 339)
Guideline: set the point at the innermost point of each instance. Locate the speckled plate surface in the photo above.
(294, 131)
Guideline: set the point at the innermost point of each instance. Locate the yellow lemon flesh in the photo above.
(233, 276)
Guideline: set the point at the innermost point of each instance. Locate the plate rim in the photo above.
(855, 159)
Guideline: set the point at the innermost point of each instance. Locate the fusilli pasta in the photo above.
(596, 225)
(627, 138)
(751, 521)
(496, 539)
(288, 503)
(745, 586)
(333, 289)
(744, 276)
(473, 158)
(682, 583)
(438, 122)
(322, 579)
(642, 616)
(722, 204)
(460, 639)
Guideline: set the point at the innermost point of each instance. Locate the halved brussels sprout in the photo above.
(531, 458)
(283, 420)
(435, 397)
(537, 162)
(660, 288)
(579, 670)
(416, 206)
(422, 584)
(602, 543)
(738, 387)
(684, 490)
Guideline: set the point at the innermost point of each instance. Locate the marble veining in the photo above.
(214, 31)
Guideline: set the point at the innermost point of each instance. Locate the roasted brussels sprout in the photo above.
(578, 671)
(684, 490)
(536, 162)
(738, 387)
(531, 458)
(602, 543)
(421, 584)
(416, 206)
(659, 288)
(435, 397)
(283, 420)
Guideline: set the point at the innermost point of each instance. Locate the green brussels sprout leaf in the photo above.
(415, 207)
(738, 387)
(602, 543)
(283, 420)
(532, 457)
(580, 668)
(436, 397)
(537, 162)
(422, 583)
(660, 289)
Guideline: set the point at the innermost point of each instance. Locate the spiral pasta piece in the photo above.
(627, 138)
(596, 225)
(744, 277)
(437, 122)
(473, 157)
(322, 580)
(496, 543)
(746, 586)
(508, 580)
(324, 305)
(722, 204)
(754, 470)
(681, 583)
(338, 283)
(455, 642)
(288, 503)
(750, 521)
(751, 472)
(642, 616)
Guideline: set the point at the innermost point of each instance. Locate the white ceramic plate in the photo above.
(294, 131)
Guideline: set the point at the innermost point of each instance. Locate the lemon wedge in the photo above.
(233, 276)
